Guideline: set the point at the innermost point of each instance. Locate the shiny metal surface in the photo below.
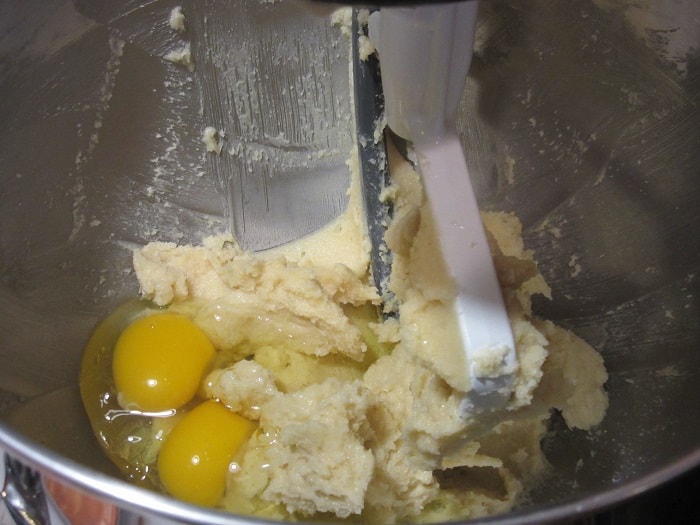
(581, 116)
(22, 494)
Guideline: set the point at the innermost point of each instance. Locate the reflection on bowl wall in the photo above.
(580, 116)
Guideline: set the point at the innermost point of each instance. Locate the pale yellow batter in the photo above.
(355, 418)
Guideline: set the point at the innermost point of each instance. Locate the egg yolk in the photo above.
(195, 457)
(159, 361)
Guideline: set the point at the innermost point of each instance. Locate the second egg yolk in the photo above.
(194, 460)
(159, 361)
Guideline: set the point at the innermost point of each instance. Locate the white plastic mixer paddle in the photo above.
(425, 53)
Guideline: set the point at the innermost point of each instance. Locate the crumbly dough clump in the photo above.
(346, 428)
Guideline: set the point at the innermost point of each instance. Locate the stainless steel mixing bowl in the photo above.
(581, 116)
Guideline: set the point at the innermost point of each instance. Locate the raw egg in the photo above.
(159, 361)
(196, 455)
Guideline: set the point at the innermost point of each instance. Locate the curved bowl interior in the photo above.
(580, 116)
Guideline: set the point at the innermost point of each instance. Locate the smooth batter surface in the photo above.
(355, 421)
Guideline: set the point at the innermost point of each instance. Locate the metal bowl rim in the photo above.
(127, 496)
